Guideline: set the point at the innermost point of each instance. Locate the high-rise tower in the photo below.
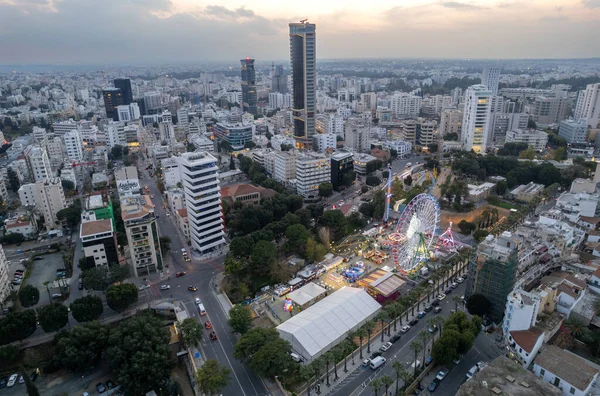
(491, 79)
(304, 80)
(249, 95)
(124, 84)
(476, 119)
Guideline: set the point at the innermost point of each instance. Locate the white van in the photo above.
(295, 357)
(472, 372)
(377, 362)
(201, 309)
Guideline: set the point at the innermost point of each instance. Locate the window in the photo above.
(572, 391)
(542, 371)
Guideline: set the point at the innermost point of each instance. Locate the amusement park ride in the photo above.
(415, 231)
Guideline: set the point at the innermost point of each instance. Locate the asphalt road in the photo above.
(201, 274)
(358, 382)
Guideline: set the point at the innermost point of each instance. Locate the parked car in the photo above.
(366, 362)
(197, 301)
(12, 380)
(38, 258)
(3, 382)
(385, 347)
(428, 361)
(442, 374)
(144, 287)
(21, 379)
(213, 335)
(404, 328)
(435, 303)
(395, 338)
(375, 355)
(428, 308)
(437, 310)
(165, 287)
(433, 386)
(192, 288)
(413, 322)
(180, 274)
(460, 280)
(56, 295)
(453, 285)
(440, 297)
(208, 325)
(110, 384)
(100, 387)
(448, 291)
(481, 365)
(472, 371)
(421, 314)
(433, 329)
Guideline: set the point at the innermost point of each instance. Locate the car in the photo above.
(157, 216)
(458, 359)
(453, 311)
(180, 274)
(442, 374)
(144, 287)
(80, 287)
(413, 322)
(192, 288)
(168, 214)
(435, 303)
(12, 380)
(437, 310)
(197, 301)
(428, 361)
(465, 276)
(427, 308)
(165, 287)
(433, 329)
(366, 362)
(56, 295)
(421, 314)
(460, 280)
(375, 354)
(453, 285)
(213, 335)
(385, 347)
(448, 291)
(208, 325)
(38, 258)
(110, 384)
(3, 382)
(100, 387)
(440, 297)
(395, 338)
(21, 380)
(404, 328)
(433, 386)
(472, 371)
(480, 365)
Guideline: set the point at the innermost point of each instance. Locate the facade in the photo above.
(38, 163)
(503, 122)
(284, 167)
(360, 163)
(492, 272)
(115, 132)
(280, 101)
(526, 192)
(99, 241)
(573, 131)
(200, 178)
(73, 145)
(279, 80)
(235, 134)
(113, 98)
(427, 132)
(249, 94)
(138, 217)
(311, 170)
(548, 110)
(491, 79)
(124, 84)
(342, 163)
(476, 119)
(62, 127)
(170, 171)
(47, 196)
(588, 105)
(54, 148)
(129, 112)
(403, 148)
(451, 122)
(5, 287)
(246, 194)
(303, 56)
(324, 141)
(536, 139)
(358, 136)
(405, 105)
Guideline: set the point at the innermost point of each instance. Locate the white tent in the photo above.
(325, 324)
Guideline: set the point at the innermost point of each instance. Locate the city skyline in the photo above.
(84, 32)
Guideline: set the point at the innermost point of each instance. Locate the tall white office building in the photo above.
(38, 163)
(405, 105)
(128, 112)
(115, 131)
(312, 169)
(476, 119)
(588, 105)
(491, 79)
(73, 145)
(167, 132)
(47, 196)
(200, 179)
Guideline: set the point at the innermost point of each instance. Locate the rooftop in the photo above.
(508, 377)
(571, 368)
(526, 339)
(95, 227)
(306, 293)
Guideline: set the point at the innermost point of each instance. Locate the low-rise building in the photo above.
(170, 171)
(99, 241)
(182, 222)
(534, 138)
(526, 192)
(18, 226)
(360, 163)
(478, 193)
(247, 194)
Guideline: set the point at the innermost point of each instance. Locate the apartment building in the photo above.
(99, 241)
(536, 139)
(311, 170)
(47, 196)
(38, 163)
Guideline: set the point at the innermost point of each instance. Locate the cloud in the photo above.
(591, 3)
(556, 18)
(460, 6)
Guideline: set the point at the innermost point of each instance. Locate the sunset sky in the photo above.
(163, 31)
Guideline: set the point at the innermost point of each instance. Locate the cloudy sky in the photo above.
(169, 31)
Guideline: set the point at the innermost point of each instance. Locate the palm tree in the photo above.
(376, 385)
(399, 369)
(393, 312)
(406, 378)
(307, 372)
(382, 317)
(386, 381)
(335, 355)
(415, 345)
(351, 336)
(369, 327)
(424, 337)
(456, 300)
(429, 292)
(361, 333)
(577, 328)
(318, 364)
(327, 358)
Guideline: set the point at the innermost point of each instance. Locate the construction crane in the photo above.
(304, 20)
(74, 164)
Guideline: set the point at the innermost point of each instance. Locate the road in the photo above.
(201, 274)
(358, 382)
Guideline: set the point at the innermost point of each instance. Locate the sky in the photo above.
(137, 32)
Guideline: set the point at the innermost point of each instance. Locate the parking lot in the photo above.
(43, 271)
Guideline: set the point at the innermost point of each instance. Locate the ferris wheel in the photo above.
(415, 232)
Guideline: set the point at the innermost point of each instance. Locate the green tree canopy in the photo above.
(325, 189)
(478, 304)
(119, 297)
(240, 318)
(29, 295)
(87, 308)
(139, 354)
(252, 341)
(17, 326)
(94, 278)
(213, 378)
(373, 181)
(466, 227)
(67, 185)
(192, 332)
(81, 348)
(263, 256)
(272, 358)
(165, 244)
(53, 317)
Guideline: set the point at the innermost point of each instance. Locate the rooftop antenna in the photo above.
(304, 20)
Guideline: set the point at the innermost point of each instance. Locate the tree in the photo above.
(12, 238)
(348, 179)
(433, 147)
(451, 137)
(376, 384)
(364, 189)
(373, 181)
(67, 185)
(478, 304)
(480, 234)
(528, 153)
(212, 377)
(501, 187)
(87, 308)
(118, 273)
(240, 318)
(369, 327)
(231, 163)
(560, 154)
(466, 227)
(263, 256)
(17, 326)
(252, 341)
(32, 390)
(165, 244)
(81, 348)
(336, 222)
(374, 165)
(9, 353)
(416, 346)
(116, 152)
(53, 317)
(29, 296)
(325, 189)
(72, 215)
(139, 354)
(13, 180)
(531, 124)
(94, 278)
(408, 180)
(119, 297)
(578, 329)
(386, 381)
(192, 332)
(272, 358)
